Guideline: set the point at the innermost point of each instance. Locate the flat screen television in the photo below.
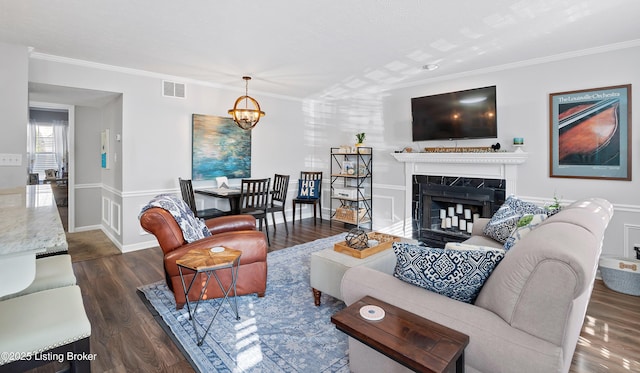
(469, 114)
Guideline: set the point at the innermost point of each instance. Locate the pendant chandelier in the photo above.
(246, 111)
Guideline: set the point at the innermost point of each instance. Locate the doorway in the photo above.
(87, 110)
(49, 153)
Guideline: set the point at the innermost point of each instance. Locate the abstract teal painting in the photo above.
(219, 148)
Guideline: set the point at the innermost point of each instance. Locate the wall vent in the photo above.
(173, 89)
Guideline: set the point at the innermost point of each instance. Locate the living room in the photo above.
(298, 130)
(131, 182)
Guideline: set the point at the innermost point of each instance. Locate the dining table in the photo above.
(233, 195)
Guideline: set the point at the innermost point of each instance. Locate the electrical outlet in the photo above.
(10, 159)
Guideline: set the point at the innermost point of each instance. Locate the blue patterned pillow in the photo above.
(505, 220)
(457, 274)
(526, 224)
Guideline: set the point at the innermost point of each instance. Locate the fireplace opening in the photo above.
(445, 208)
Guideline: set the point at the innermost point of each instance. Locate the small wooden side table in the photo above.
(417, 343)
(208, 262)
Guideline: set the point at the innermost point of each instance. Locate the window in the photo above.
(44, 156)
(47, 147)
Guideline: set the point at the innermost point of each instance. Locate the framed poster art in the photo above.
(219, 148)
(590, 133)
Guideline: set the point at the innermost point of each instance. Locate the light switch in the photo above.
(10, 159)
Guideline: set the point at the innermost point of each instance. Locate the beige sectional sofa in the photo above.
(529, 313)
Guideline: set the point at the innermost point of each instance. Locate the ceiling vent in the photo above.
(173, 89)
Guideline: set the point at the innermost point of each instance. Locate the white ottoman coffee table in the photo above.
(328, 267)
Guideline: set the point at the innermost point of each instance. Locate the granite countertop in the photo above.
(29, 221)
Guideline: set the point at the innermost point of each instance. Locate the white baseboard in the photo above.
(88, 228)
(139, 246)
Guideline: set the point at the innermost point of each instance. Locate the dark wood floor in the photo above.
(127, 339)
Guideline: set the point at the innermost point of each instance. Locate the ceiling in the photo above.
(314, 49)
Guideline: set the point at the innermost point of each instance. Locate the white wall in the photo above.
(14, 106)
(523, 111)
(297, 135)
(88, 178)
(112, 176)
(156, 136)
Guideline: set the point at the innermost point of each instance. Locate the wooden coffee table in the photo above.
(417, 343)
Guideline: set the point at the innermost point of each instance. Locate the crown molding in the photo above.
(149, 74)
(520, 64)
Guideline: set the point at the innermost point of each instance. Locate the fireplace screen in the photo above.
(445, 208)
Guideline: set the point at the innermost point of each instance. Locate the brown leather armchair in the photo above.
(236, 232)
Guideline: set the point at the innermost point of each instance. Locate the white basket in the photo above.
(351, 193)
(621, 274)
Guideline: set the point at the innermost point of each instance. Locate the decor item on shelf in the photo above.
(246, 118)
(360, 138)
(518, 143)
(357, 239)
(348, 168)
(344, 149)
(465, 149)
(350, 215)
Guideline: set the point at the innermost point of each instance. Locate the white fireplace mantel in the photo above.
(488, 165)
(505, 158)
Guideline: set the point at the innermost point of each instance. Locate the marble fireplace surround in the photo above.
(489, 165)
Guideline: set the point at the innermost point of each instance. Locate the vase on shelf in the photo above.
(360, 139)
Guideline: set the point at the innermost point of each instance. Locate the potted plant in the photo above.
(554, 207)
(360, 138)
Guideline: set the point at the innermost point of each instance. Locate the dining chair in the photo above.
(254, 200)
(279, 199)
(50, 175)
(309, 193)
(186, 188)
(34, 179)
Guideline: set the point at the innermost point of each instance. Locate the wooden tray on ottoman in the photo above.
(385, 242)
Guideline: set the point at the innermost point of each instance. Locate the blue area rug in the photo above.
(281, 332)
